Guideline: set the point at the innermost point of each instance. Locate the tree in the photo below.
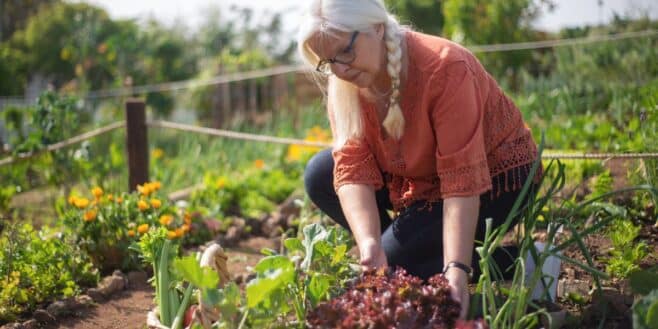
(423, 15)
(14, 14)
(62, 42)
(473, 22)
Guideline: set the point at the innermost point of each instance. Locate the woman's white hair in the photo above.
(325, 16)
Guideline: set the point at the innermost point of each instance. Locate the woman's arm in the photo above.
(460, 216)
(360, 208)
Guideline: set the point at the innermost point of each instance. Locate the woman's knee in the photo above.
(318, 174)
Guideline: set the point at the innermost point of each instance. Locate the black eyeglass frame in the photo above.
(347, 50)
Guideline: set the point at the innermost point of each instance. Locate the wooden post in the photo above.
(136, 143)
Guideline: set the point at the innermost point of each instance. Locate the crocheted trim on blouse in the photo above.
(365, 171)
(466, 180)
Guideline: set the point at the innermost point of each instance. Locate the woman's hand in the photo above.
(372, 255)
(458, 281)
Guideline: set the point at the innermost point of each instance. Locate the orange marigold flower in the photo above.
(143, 228)
(142, 205)
(172, 235)
(97, 192)
(72, 199)
(155, 203)
(180, 232)
(187, 218)
(90, 215)
(119, 199)
(146, 189)
(131, 233)
(110, 197)
(81, 203)
(166, 219)
(259, 163)
(156, 185)
(185, 228)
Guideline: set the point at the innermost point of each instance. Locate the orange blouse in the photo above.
(460, 131)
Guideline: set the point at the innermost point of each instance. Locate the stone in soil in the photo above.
(112, 284)
(566, 286)
(31, 324)
(42, 316)
(136, 278)
(13, 325)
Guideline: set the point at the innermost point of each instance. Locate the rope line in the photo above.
(65, 143)
(234, 134)
(561, 42)
(280, 140)
(293, 141)
(194, 83)
(599, 156)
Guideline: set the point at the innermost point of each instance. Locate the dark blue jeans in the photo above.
(413, 240)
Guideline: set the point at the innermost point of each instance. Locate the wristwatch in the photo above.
(461, 266)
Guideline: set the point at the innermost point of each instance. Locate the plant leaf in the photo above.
(190, 270)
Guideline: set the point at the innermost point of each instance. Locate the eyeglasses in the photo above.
(346, 56)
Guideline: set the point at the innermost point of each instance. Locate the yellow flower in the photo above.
(145, 189)
(65, 54)
(155, 203)
(97, 192)
(187, 218)
(72, 199)
(540, 218)
(143, 228)
(110, 197)
(185, 228)
(142, 205)
(119, 200)
(90, 215)
(131, 233)
(81, 203)
(220, 183)
(148, 188)
(294, 153)
(166, 219)
(172, 235)
(157, 153)
(259, 163)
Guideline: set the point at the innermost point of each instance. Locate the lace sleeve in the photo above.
(354, 163)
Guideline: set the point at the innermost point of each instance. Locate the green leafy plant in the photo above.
(624, 256)
(315, 269)
(38, 267)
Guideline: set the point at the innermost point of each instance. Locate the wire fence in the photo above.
(269, 72)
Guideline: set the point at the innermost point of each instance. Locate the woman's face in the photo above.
(368, 50)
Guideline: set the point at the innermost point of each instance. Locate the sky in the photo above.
(191, 12)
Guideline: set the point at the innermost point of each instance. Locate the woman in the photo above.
(420, 128)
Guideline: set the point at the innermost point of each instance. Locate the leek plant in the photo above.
(512, 311)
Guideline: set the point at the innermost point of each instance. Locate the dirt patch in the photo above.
(128, 309)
